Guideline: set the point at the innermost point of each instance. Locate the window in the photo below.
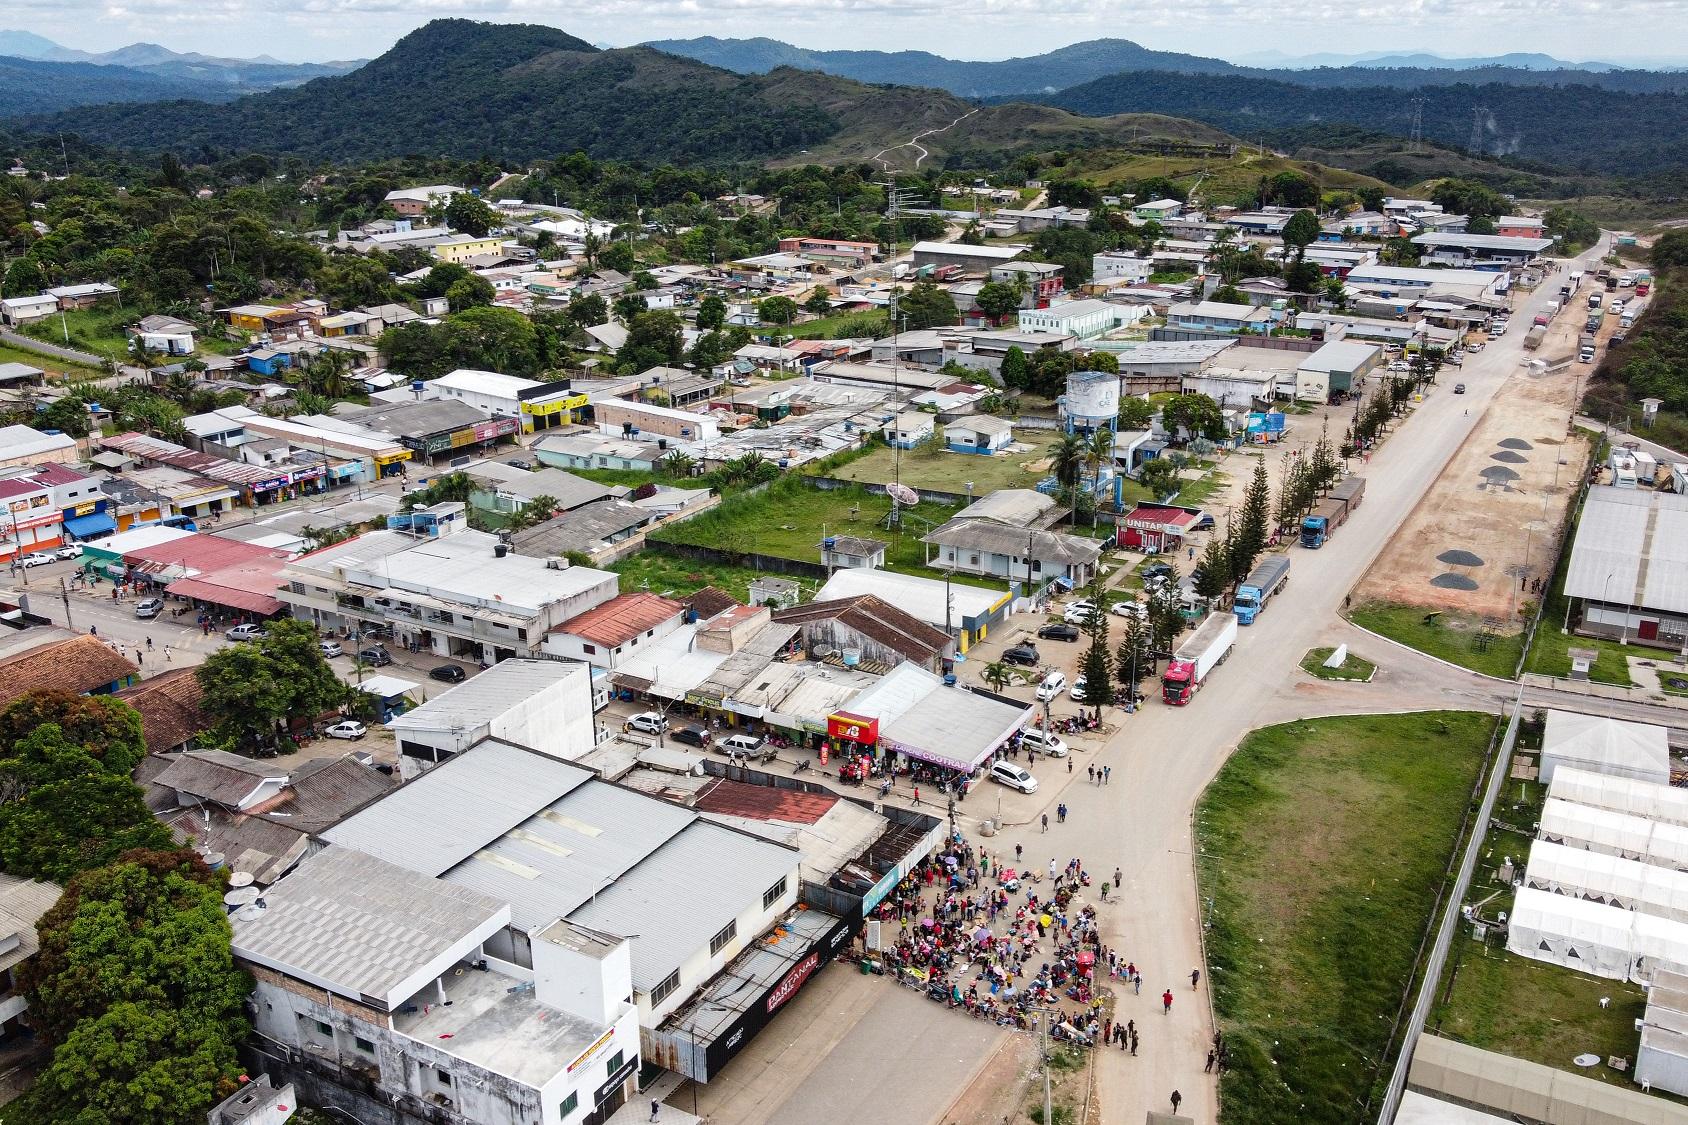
(663, 989)
(443, 1076)
(589, 648)
(570, 1104)
(615, 1062)
(720, 940)
(322, 1028)
(774, 894)
(363, 1044)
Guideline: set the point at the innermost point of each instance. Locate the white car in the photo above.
(1013, 776)
(1076, 692)
(330, 648)
(350, 728)
(647, 721)
(1130, 608)
(1036, 738)
(1078, 612)
(69, 551)
(247, 632)
(1400, 365)
(1052, 685)
(36, 558)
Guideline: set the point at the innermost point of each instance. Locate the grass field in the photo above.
(100, 330)
(1550, 654)
(1322, 850)
(947, 472)
(1353, 667)
(659, 572)
(1452, 637)
(52, 365)
(842, 326)
(1535, 1011)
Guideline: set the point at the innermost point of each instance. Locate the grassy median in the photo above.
(1323, 846)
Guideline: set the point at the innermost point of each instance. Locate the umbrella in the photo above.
(982, 933)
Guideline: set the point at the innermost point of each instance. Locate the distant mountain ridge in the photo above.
(1423, 60)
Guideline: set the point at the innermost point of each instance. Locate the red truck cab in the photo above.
(1176, 681)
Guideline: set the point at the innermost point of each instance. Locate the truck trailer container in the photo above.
(1206, 650)
(1265, 580)
(1349, 490)
(1322, 524)
(1534, 337)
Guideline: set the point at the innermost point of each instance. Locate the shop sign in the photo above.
(87, 509)
(698, 699)
(622, 1073)
(852, 728)
(590, 1052)
(268, 485)
(788, 987)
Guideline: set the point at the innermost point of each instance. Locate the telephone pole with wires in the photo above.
(895, 200)
(1479, 117)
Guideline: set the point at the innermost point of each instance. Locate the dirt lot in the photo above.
(1490, 523)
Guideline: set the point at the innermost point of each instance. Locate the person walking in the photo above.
(1107, 774)
(656, 1106)
(1166, 1002)
(1104, 892)
(1052, 869)
(1176, 1098)
(1211, 1054)
(1133, 1044)
(1090, 771)
(1046, 822)
(1195, 978)
(1069, 764)
(149, 643)
(1019, 850)
(1119, 878)
(1137, 984)
(917, 794)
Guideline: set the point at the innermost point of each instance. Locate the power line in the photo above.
(1479, 117)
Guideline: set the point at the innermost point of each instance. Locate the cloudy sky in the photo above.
(1637, 31)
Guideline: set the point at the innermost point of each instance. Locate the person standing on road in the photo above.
(1019, 850)
(1090, 771)
(1195, 978)
(1166, 1002)
(1119, 878)
(1107, 774)
(1176, 1099)
(1211, 1054)
(1046, 822)
(1051, 868)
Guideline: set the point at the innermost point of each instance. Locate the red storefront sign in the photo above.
(788, 987)
(852, 728)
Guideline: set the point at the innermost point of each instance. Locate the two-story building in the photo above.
(460, 248)
(1116, 267)
(1219, 316)
(433, 582)
(1084, 320)
(537, 405)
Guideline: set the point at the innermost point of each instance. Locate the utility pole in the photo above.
(64, 593)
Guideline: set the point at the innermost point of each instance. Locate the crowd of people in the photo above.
(1010, 943)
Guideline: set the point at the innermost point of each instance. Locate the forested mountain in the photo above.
(30, 86)
(1053, 70)
(1578, 127)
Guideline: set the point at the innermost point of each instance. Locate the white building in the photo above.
(910, 428)
(539, 406)
(544, 705)
(1115, 267)
(456, 593)
(978, 433)
(1084, 319)
(22, 310)
(605, 635)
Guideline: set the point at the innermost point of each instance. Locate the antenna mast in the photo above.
(895, 198)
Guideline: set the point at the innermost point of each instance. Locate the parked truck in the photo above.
(1349, 490)
(1206, 650)
(1533, 339)
(1322, 524)
(1264, 581)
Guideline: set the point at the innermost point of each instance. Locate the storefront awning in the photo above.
(86, 527)
(249, 600)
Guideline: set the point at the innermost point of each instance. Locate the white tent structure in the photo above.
(1621, 794)
(1603, 941)
(1661, 1063)
(1614, 833)
(1608, 880)
(1601, 745)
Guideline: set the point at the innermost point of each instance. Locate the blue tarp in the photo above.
(84, 527)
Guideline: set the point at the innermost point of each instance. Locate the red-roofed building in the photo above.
(764, 802)
(609, 633)
(1156, 527)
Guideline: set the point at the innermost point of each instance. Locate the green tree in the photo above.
(1135, 413)
(1292, 491)
(1323, 465)
(999, 675)
(1067, 463)
(71, 815)
(777, 310)
(997, 299)
(655, 338)
(1097, 666)
(617, 256)
(626, 306)
(1301, 231)
(1669, 252)
(1213, 573)
(819, 302)
(1196, 414)
(1102, 361)
(711, 312)
(1254, 528)
(492, 339)
(472, 292)
(351, 280)
(470, 215)
(1229, 294)
(1336, 294)
(106, 729)
(1159, 476)
(1013, 371)
(250, 690)
(24, 278)
(927, 306)
(1136, 656)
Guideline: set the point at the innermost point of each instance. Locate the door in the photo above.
(1648, 631)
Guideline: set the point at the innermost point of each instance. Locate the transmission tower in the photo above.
(895, 199)
(1417, 141)
(1479, 115)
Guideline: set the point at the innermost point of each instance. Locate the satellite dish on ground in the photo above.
(902, 494)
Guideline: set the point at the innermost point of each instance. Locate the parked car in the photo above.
(518, 463)
(69, 551)
(1076, 692)
(648, 722)
(1052, 686)
(1459, 388)
(350, 728)
(1036, 738)
(1023, 654)
(330, 649)
(375, 656)
(1013, 776)
(1477, 347)
(1452, 361)
(1058, 631)
(247, 632)
(1204, 524)
(37, 558)
(747, 747)
(1130, 609)
(1077, 613)
(1400, 365)
(447, 673)
(149, 608)
(691, 736)
(1160, 570)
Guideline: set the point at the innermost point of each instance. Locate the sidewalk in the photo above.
(1637, 693)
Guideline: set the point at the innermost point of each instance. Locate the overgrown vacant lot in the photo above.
(1323, 846)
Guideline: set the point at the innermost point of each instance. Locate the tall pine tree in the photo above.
(1254, 526)
(1097, 667)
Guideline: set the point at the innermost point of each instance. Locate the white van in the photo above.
(1013, 776)
(1053, 685)
(740, 744)
(1036, 738)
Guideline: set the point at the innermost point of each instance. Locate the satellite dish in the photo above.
(902, 494)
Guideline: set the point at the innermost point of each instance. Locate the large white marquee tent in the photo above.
(1601, 745)
(1608, 880)
(1614, 833)
(1621, 794)
(1604, 941)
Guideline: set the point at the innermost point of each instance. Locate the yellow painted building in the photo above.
(465, 247)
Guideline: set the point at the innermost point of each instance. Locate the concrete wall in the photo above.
(702, 966)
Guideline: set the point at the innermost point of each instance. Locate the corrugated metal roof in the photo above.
(685, 894)
(1631, 549)
(479, 794)
(481, 699)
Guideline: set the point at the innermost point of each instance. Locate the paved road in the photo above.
(59, 351)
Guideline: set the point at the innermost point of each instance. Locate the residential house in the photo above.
(978, 433)
(418, 200)
(647, 420)
(1017, 554)
(1042, 281)
(84, 296)
(163, 334)
(1157, 210)
(966, 613)
(460, 248)
(589, 530)
(909, 428)
(22, 903)
(22, 445)
(21, 375)
(588, 449)
(851, 551)
(606, 633)
(23, 310)
(171, 718)
(867, 630)
(505, 489)
(852, 255)
(83, 664)
(1218, 316)
(1116, 267)
(1520, 226)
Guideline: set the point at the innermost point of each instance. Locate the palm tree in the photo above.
(999, 675)
(678, 464)
(589, 248)
(1067, 461)
(1098, 451)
